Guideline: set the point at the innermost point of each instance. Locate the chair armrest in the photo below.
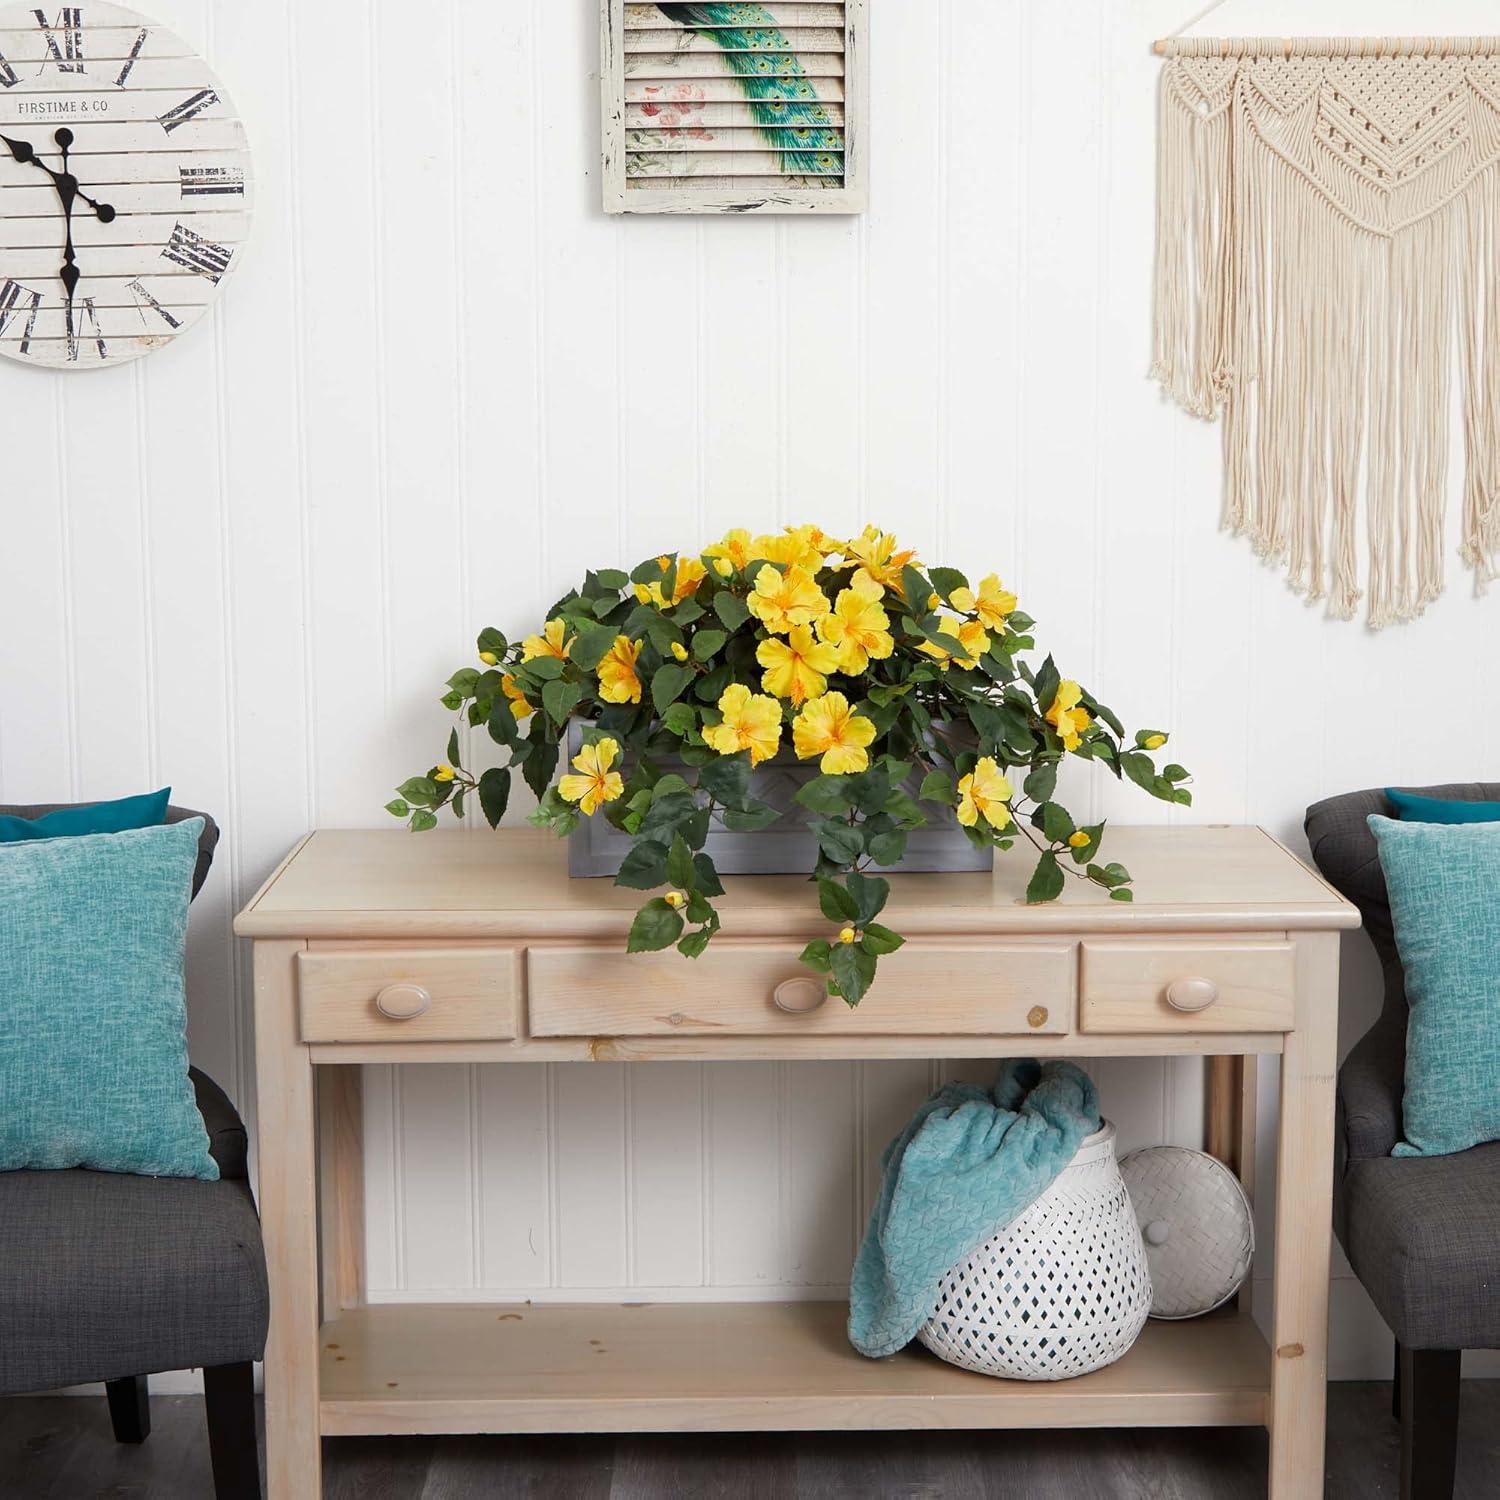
(227, 1141)
(1371, 1084)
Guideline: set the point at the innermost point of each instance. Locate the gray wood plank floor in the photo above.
(61, 1448)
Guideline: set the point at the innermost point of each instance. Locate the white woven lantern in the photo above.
(1061, 1290)
(1198, 1228)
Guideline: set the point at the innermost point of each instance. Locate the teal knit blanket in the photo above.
(969, 1162)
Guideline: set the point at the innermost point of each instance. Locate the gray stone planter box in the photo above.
(787, 847)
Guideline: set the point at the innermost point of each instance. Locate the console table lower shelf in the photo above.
(746, 1366)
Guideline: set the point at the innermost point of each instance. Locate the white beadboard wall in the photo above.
(445, 382)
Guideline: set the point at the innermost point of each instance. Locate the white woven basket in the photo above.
(1198, 1228)
(1061, 1290)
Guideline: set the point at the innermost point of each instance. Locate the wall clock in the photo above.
(124, 186)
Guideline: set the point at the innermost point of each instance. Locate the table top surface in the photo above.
(476, 884)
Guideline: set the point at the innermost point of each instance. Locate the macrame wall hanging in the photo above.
(1328, 275)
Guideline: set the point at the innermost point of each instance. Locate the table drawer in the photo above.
(961, 988)
(1187, 986)
(409, 994)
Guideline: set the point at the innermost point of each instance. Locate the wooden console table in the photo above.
(476, 947)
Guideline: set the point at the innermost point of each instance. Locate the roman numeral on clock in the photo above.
(180, 114)
(77, 315)
(203, 182)
(130, 61)
(17, 301)
(144, 300)
(64, 38)
(8, 75)
(198, 254)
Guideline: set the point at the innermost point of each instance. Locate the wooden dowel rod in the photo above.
(1325, 46)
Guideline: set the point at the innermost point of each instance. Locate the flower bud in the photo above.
(848, 935)
(674, 899)
(489, 658)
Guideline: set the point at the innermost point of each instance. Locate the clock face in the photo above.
(124, 185)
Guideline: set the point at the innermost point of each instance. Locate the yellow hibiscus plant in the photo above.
(910, 689)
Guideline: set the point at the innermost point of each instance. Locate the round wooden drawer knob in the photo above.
(402, 1002)
(799, 996)
(1192, 994)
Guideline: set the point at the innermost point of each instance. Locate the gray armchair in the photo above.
(1422, 1234)
(107, 1276)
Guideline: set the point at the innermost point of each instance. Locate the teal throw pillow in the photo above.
(1413, 808)
(148, 811)
(93, 1044)
(1444, 885)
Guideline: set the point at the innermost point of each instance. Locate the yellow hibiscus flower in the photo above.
(618, 682)
(874, 552)
(984, 794)
(596, 784)
(751, 722)
(829, 727)
(782, 601)
(992, 604)
(797, 546)
(970, 634)
(1066, 716)
(734, 549)
(797, 667)
(518, 704)
(690, 574)
(859, 626)
(553, 641)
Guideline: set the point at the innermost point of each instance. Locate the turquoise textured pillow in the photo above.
(93, 1025)
(1413, 808)
(148, 811)
(1444, 885)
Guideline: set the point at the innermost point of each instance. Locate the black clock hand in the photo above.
(25, 153)
(67, 189)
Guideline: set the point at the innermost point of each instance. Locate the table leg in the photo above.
(288, 1213)
(1304, 1188)
(341, 1186)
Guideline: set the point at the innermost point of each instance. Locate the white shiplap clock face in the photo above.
(124, 185)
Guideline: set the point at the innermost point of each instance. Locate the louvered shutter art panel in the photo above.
(737, 98)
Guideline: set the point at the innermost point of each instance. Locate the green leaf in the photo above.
(825, 794)
(904, 809)
(707, 876)
(752, 819)
(644, 867)
(422, 820)
(694, 943)
(937, 786)
(945, 580)
(1057, 823)
(680, 863)
(540, 764)
(727, 779)
(453, 756)
(613, 579)
(836, 903)
(502, 724)
(420, 791)
(668, 685)
(706, 642)
(1041, 782)
(453, 701)
(698, 909)
(667, 812)
(914, 589)
(688, 612)
(458, 803)
(592, 646)
(491, 640)
(656, 926)
(560, 699)
(1045, 685)
(1122, 893)
(816, 955)
(868, 790)
(463, 680)
(1046, 881)
(397, 808)
(681, 719)
(731, 609)
(878, 939)
(544, 668)
(494, 794)
(1085, 852)
(853, 970)
(888, 848)
(870, 893)
(843, 843)
(1174, 772)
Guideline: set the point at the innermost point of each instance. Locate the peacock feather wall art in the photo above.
(733, 108)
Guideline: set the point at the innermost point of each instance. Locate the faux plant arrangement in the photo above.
(909, 687)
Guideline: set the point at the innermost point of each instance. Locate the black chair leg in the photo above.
(1429, 1422)
(229, 1395)
(1396, 1383)
(129, 1408)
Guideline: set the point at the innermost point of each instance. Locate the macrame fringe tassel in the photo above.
(1328, 346)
